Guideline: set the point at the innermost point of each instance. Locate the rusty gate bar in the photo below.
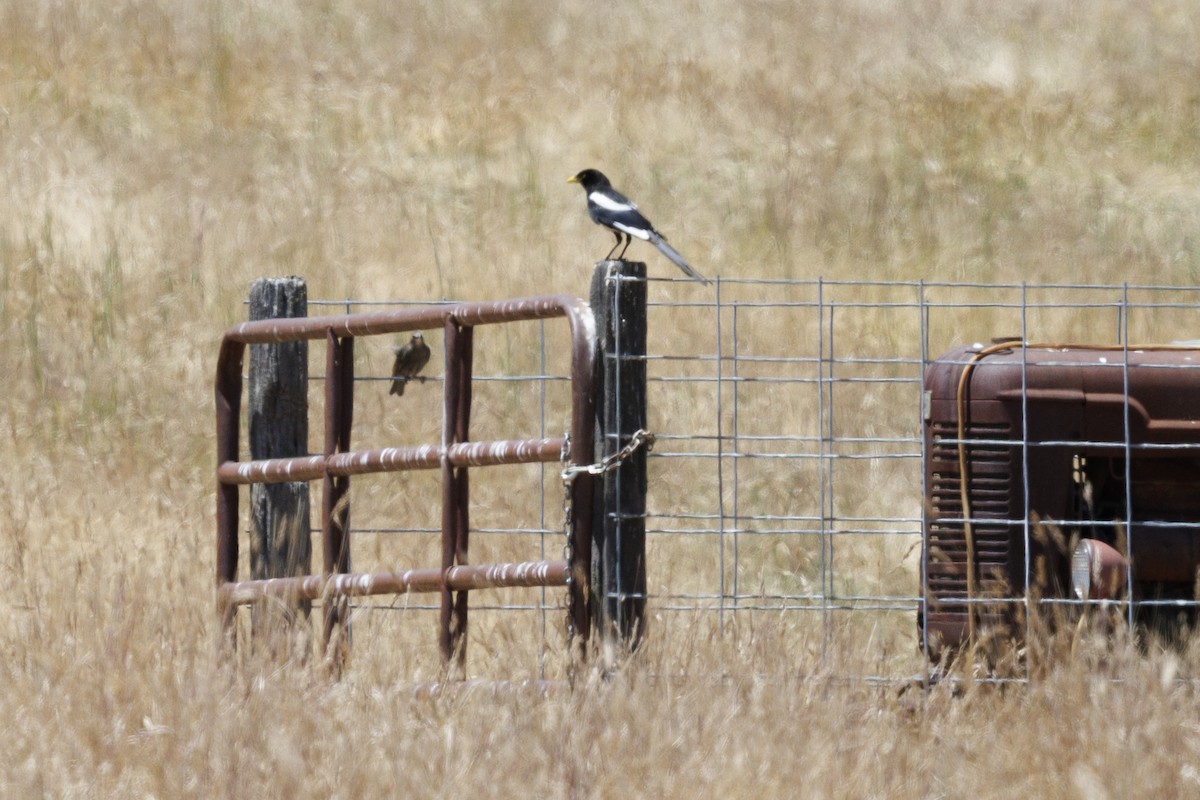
(458, 578)
(391, 459)
(454, 456)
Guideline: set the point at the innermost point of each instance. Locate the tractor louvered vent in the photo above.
(989, 465)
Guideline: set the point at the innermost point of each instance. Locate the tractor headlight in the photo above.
(1098, 571)
(1081, 571)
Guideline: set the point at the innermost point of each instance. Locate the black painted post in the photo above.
(280, 543)
(618, 300)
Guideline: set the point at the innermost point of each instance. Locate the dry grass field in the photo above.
(157, 156)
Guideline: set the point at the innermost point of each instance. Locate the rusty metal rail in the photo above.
(454, 455)
(391, 459)
(361, 584)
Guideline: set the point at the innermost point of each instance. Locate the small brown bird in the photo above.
(411, 358)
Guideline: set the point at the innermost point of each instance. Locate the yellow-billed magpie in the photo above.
(608, 207)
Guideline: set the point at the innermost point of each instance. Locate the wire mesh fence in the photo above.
(787, 490)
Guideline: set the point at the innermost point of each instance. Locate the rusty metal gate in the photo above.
(454, 455)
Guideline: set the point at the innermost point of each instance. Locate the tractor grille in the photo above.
(990, 486)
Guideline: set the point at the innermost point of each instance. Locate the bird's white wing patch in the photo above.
(640, 233)
(606, 202)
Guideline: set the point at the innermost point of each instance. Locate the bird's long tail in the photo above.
(670, 252)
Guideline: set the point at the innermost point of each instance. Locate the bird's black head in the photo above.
(590, 179)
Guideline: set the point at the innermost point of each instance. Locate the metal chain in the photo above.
(568, 550)
(640, 437)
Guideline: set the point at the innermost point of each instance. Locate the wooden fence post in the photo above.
(618, 300)
(281, 542)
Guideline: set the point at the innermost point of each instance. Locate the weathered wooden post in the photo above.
(618, 300)
(280, 543)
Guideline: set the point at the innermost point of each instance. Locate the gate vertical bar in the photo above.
(456, 403)
(581, 593)
(461, 486)
(335, 505)
(542, 597)
(345, 421)
(228, 393)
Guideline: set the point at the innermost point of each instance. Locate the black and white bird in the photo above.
(615, 211)
(411, 358)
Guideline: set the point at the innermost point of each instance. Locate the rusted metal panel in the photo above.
(460, 578)
(1058, 443)
(454, 455)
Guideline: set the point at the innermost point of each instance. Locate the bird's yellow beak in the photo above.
(572, 179)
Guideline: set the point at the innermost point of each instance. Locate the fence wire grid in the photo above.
(786, 485)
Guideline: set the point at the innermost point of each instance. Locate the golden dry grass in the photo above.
(155, 157)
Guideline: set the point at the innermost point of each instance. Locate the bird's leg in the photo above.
(614, 247)
(628, 239)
